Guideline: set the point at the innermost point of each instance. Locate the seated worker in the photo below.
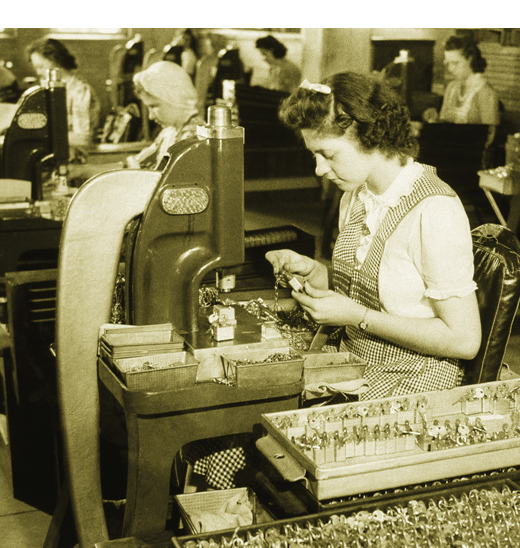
(170, 96)
(82, 103)
(284, 75)
(468, 98)
(400, 293)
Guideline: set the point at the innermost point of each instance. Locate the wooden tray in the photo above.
(451, 492)
(328, 478)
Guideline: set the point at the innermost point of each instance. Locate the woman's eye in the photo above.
(316, 155)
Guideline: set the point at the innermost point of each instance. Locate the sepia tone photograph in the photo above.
(259, 286)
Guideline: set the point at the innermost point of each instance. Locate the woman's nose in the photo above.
(322, 167)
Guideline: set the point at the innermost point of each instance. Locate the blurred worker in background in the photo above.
(284, 75)
(170, 96)
(82, 104)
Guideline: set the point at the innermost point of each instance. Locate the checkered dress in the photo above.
(392, 370)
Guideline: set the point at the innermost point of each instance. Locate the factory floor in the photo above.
(22, 526)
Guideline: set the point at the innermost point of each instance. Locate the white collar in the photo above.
(401, 186)
(376, 206)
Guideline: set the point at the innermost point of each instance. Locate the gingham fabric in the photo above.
(220, 459)
(392, 370)
(220, 468)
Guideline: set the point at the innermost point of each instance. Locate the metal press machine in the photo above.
(38, 135)
(191, 222)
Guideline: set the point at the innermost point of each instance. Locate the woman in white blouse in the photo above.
(468, 99)
(82, 103)
(401, 286)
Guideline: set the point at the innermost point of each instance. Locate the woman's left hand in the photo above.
(328, 307)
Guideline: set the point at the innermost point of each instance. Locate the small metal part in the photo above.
(219, 116)
(296, 282)
(226, 282)
(53, 79)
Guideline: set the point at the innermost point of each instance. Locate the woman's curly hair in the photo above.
(375, 113)
(469, 50)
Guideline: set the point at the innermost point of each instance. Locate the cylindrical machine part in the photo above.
(53, 78)
(56, 95)
(219, 116)
(225, 282)
(220, 125)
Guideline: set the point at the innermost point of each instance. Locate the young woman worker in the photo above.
(401, 285)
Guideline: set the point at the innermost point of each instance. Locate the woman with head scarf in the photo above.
(171, 99)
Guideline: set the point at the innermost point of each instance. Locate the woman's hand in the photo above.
(327, 307)
(313, 271)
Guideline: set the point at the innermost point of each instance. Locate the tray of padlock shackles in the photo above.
(482, 512)
(366, 446)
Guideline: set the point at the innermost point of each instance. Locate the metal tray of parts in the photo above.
(266, 367)
(395, 435)
(333, 367)
(407, 506)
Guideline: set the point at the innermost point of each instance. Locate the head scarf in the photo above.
(170, 83)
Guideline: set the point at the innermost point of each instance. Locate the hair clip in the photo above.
(320, 88)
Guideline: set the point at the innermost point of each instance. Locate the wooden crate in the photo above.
(329, 477)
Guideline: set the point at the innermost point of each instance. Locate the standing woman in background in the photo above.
(82, 104)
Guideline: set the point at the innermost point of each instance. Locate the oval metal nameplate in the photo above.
(32, 120)
(184, 201)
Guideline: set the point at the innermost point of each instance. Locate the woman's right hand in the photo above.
(313, 271)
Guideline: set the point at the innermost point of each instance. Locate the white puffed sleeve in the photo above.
(429, 256)
(446, 249)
